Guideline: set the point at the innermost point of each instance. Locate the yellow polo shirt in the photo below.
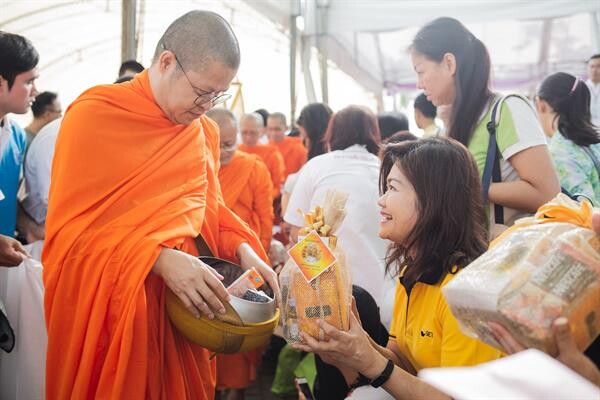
(428, 334)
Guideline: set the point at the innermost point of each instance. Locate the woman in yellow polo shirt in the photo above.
(431, 209)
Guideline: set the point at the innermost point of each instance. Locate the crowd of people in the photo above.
(121, 186)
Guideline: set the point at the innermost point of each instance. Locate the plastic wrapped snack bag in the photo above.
(315, 281)
(542, 268)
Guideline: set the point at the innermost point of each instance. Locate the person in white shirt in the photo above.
(352, 165)
(38, 167)
(425, 113)
(593, 82)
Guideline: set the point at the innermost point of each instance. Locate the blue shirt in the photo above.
(13, 142)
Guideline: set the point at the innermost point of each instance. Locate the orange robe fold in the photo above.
(127, 182)
(247, 191)
(293, 152)
(273, 160)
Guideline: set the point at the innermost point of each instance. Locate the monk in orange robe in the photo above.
(250, 128)
(245, 179)
(247, 191)
(134, 181)
(292, 149)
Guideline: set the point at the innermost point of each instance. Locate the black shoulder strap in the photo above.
(491, 171)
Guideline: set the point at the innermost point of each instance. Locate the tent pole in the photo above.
(128, 28)
(544, 48)
(293, 52)
(595, 31)
(305, 57)
(322, 43)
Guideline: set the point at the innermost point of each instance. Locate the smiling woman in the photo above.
(431, 210)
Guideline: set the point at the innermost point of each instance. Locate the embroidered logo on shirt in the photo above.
(427, 333)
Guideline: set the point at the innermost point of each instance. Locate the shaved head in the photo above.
(227, 131)
(199, 38)
(251, 127)
(279, 116)
(222, 116)
(254, 117)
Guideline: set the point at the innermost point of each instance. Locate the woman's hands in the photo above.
(350, 349)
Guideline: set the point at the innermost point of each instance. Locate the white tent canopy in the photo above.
(80, 41)
(365, 38)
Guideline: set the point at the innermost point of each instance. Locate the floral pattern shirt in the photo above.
(576, 170)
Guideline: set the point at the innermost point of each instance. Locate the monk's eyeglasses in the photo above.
(203, 96)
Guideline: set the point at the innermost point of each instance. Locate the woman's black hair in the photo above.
(314, 118)
(570, 99)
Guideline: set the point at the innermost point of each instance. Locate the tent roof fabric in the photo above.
(352, 30)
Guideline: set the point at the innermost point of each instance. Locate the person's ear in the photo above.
(449, 63)
(3, 84)
(166, 61)
(543, 106)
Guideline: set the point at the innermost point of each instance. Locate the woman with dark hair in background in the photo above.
(563, 105)
(432, 213)
(352, 166)
(312, 124)
(453, 68)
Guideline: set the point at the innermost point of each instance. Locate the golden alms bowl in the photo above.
(245, 325)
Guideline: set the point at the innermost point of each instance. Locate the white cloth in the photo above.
(369, 393)
(38, 168)
(290, 183)
(356, 172)
(530, 375)
(22, 371)
(594, 101)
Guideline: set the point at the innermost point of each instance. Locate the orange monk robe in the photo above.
(247, 191)
(273, 160)
(127, 182)
(294, 153)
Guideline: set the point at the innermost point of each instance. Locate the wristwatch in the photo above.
(384, 376)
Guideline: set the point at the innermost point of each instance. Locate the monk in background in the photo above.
(292, 149)
(245, 179)
(247, 191)
(250, 128)
(134, 182)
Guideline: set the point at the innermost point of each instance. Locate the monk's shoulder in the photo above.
(298, 145)
(245, 159)
(273, 151)
(211, 133)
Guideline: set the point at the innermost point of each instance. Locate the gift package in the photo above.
(315, 281)
(542, 268)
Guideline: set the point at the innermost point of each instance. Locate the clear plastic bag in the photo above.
(22, 372)
(542, 268)
(329, 295)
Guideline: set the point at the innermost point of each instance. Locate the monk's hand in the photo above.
(350, 349)
(249, 258)
(197, 285)
(12, 252)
